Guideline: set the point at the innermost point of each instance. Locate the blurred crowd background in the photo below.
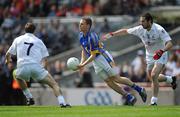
(60, 37)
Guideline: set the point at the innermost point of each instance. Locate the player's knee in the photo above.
(154, 77)
(109, 80)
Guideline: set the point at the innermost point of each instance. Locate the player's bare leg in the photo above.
(126, 81)
(114, 86)
(130, 99)
(162, 78)
(154, 74)
(26, 92)
(56, 89)
(52, 83)
(168, 79)
(123, 80)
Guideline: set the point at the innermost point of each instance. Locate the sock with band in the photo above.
(136, 87)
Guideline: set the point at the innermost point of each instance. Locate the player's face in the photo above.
(83, 26)
(145, 24)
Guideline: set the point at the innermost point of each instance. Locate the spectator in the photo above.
(57, 70)
(171, 64)
(176, 68)
(52, 12)
(105, 27)
(6, 90)
(86, 78)
(139, 67)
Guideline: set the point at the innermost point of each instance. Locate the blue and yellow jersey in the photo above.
(91, 44)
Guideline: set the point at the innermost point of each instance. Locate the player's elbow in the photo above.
(125, 31)
(170, 44)
(93, 55)
(122, 32)
(7, 55)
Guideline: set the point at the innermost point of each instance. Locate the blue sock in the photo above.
(129, 97)
(137, 88)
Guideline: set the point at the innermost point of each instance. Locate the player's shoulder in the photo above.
(157, 26)
(36, 39)
(92, 33)
(136, 30)
(39, 42)
(19, 38)
(139, 27)
(94, 36)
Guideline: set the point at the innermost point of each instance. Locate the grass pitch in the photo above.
(90, 111)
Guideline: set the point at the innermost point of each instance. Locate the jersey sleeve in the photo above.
(134, 30)
(164, 35)
(13, 48)
(44, 50)
(94, 44)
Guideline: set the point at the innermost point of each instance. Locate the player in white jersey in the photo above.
(157, 43)
(31, 52)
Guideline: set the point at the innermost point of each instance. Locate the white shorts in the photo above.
(102, 67)
(34, 71)
(150, 61)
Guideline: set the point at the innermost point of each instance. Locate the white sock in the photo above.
(154, 100)
(61, 99)
(27, 93)
(168, 79)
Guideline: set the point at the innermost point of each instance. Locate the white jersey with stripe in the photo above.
(154, 39)
(28, 49)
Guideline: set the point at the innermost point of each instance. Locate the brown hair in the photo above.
(88, 21)
(30, 27)
(148, 17)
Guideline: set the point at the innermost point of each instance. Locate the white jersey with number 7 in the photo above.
(29, 49)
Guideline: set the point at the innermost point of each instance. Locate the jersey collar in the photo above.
(152, 28)
(86, 34)
(30, 34)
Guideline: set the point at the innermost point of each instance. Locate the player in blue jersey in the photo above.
(103, 63)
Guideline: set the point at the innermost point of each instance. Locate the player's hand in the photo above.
(158, 54)
(107, 36)
(80, 66)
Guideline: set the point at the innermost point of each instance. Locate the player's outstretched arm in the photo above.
(90, 59)
(115, 33)
(83, 56)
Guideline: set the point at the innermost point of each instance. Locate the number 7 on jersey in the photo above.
(30, 45)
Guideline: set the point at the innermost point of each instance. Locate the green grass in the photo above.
(90, 111)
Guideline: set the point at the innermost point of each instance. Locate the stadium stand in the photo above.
(57, 25)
